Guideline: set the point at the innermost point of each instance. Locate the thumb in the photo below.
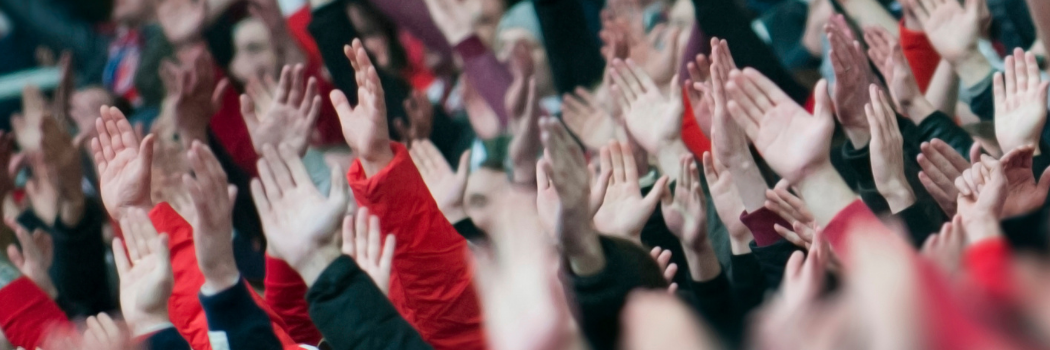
(656, 193)
(975, 152)
(15, 256)
(822, 107)
(146, 151)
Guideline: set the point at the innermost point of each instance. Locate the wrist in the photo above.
(917, 108)
(739, 239)
(858, 136)
(454, 213)
(149, 322)
(980, 227)
(971, 67)
(748, 181)
(373, 162)
(825, 191)
(584, 253)
(669, 155)
(315, 262)
(219, 278)
(898, 195)
(703, 263)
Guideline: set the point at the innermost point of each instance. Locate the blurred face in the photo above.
(372, 37)
(485, 187)
(131, 11)
(254, 54)
(485, 25)
(542, 71)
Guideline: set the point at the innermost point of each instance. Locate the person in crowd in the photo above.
(529, 175)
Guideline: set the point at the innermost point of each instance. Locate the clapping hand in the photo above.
(941, 165)
(446, 187)
(852, 76)
(887, 152)
(362, 242)
(885, 51)
(684, 211)
(587, 119)
(298, 221)
(364, 126)
(624, 211)
(212, 199)
(144, 267)
(653, 119)
(1020, 102)
(124, 163)
(290, 115)
(35, 258)
(793, 210)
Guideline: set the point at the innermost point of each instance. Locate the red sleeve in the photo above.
(286, 295)
(921, 55)
(988, 266)
(228, 127)
(27, 314)
(761, 224)
(693, 135)
(297, 24)
(184, 307)
(946, 319)
(431, 280)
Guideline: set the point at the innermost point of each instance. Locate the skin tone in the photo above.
(144, 267)
(852, 77)
(447, 187)
(524, 112)
(124, 162)
(362, 242)
(364, 126)
(212, 198)
(290, 115)
(685, 216)
(193, 94)
(35, 258)
(652, 119)
(953, 29)
(941, 165)
(887, 154)
(624, 211)
(885, 51)
(254, 57)
(1020, 102)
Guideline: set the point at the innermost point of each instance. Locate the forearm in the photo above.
(703, 263)
(869, 13)
(971, 67)
(583, 250)
(747, 179)
(234, 317)
(826, 193)
(943, 91)
(669, 158)
(523, 148)
(1040, 11)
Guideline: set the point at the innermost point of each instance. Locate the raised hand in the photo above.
(727, 138)
(103, 333)
(941, 165)
(852, 76)
(624, 211)
(212, 199)
(27, 126)
(654, 120)
(983, 193)
(146, 279)
(298, 221)
(727, 203)
(886, 53)
(525, 141)
(793, 209)
(565, 169)
(518, 285)
(684, 211)
(1020, 102)
(35, 258)
(952, 28)
(55, 189)
(447, 187)
(698, 87)
(361, 241)
(124, 163)
(792, 141)
(364, 126)
(587, 119)
(193, 96)
(182, 20)
(946, 247)
(887, 152)
(663, 260)
(290, 116)
(1023, 193)
(420, 115)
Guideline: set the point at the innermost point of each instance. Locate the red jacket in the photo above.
(28, 315)
(431, 282)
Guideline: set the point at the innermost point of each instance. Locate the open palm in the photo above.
(123, 163)
(624, 211)
(652, 118)
(791, 140)
(952, 28)
(288, 117)
(1020, 102)
(364, 126)
(292, 208)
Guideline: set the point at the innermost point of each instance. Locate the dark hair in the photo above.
(398, 57)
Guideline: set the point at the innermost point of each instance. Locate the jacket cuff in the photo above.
(859, 161)
(386, 183)
(761, 223)
(26, 313)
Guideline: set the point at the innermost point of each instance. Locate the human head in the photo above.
(254, 56)
(131, 11)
